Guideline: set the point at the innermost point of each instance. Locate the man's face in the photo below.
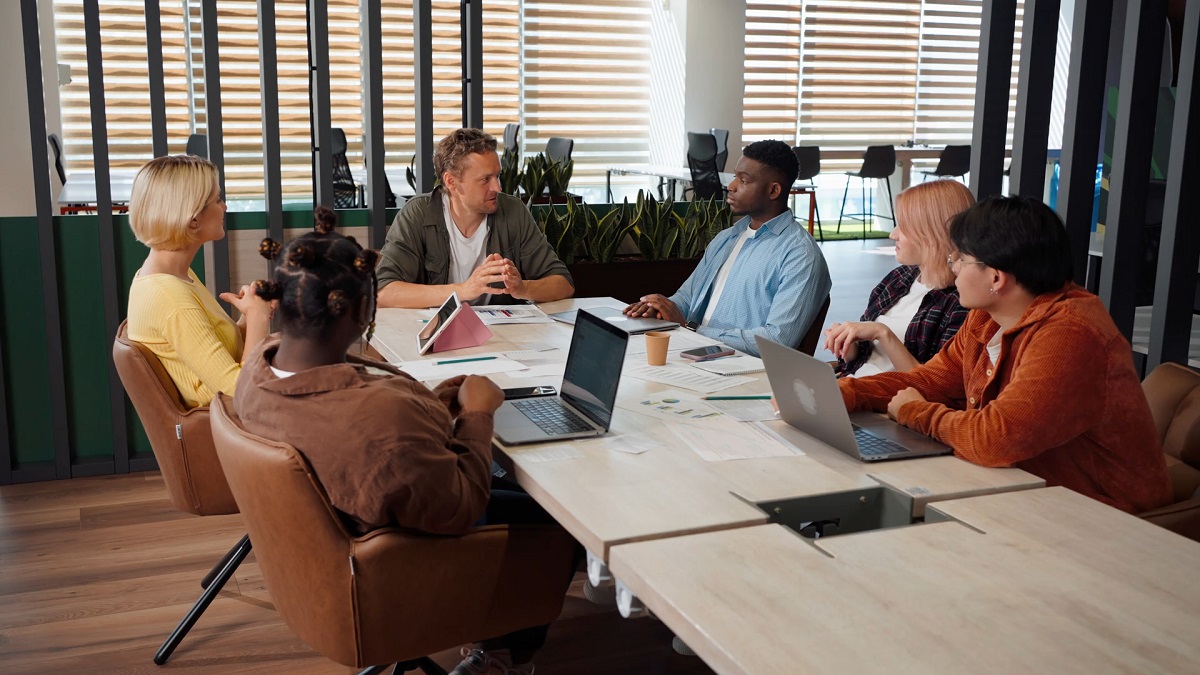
(750, 192)
(479, 184)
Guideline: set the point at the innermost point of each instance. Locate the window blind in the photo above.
(772, 98)
(586, 77)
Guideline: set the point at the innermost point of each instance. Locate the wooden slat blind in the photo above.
(587, 77)
(772, 99)
(127, 90)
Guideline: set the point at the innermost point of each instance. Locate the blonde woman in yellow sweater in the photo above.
(176, 207)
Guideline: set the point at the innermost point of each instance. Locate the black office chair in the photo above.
(702, 162)
(345, 190)
(512, 132)
(559, 149)
(197, 146)
(722, 136)
(809, 157)
(56, 148)
(954, 162)
(879, 161)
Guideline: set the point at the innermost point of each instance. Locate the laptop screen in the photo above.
(594, 367)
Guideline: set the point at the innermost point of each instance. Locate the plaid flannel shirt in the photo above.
(937, 320)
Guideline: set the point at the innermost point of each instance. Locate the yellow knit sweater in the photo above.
(197, 342)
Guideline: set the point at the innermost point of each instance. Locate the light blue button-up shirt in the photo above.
(775, 289)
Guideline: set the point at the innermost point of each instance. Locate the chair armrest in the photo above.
(1182, 518)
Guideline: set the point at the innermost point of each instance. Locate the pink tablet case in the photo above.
(466, 329)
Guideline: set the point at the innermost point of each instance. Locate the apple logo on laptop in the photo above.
(806, 396)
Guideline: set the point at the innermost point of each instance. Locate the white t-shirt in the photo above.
(466, 253)
(723, 274)
(994, 346)
(897, 320)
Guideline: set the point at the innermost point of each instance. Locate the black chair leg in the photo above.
(817, 215)
(891, 202)
(212, 574)
(424, 664)
(841, 215)
(231, 564)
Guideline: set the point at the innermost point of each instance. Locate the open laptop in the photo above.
(809, 399)
(588, 395)
(629, 324)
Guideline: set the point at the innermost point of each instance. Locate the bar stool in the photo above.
(809, 157)
(954, 162)
(879, 161)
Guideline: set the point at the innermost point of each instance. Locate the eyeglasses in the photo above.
(955, 263)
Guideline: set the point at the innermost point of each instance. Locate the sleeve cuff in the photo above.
(474, 426)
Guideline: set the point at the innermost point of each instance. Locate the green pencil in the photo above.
(477, 358)
(749, 397)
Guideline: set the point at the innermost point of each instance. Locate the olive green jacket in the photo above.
(417, 249)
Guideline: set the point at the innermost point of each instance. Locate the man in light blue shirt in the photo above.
(763, 276)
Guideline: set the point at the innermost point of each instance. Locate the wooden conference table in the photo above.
(1038, 581)
(606, 496)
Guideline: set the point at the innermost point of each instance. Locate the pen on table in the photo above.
(752, 397)
(474, 358)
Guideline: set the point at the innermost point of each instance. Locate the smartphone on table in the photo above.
(707, 353)
(529, 392)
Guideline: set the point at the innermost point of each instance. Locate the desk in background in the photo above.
(606, 498)
(1036, 581)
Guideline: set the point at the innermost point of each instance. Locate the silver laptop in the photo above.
(629, 324)
(588, 395)
(809, 399)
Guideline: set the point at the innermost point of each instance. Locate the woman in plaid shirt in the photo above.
(915, 309)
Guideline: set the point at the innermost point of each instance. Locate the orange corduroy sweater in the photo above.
(1063, 401)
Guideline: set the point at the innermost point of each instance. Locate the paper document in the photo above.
(732, 365)
(428, 370)
(549, 371)
(687, 377)
(630, 444)
(675, 406)
(493, 315)
(547, 453)
(730, 441)
(537, 357)
(746, 410)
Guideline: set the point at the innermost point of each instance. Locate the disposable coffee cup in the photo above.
(656, 348)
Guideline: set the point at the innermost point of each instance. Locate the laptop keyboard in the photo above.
(551, 416)
(872, 445)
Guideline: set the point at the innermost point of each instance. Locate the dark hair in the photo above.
(1020, 236)
(779, 158)
(321, 277)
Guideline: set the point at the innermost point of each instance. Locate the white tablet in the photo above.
(445, 314)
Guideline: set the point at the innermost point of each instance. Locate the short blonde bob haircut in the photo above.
(924, 211)
(168, 194)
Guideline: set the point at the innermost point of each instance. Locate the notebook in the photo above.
(733, 365)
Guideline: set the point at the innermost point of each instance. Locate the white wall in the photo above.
(16, 171)
(697, 75)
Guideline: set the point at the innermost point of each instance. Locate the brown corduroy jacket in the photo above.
(1063, 401)
(383, 445)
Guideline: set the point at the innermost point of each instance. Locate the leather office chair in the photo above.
(808, 343)
(559, 149)
(702, 163)
(181, 439)
(1173, 392)
(954, 162)
(879, 161)
(389, 596)
(722, 138)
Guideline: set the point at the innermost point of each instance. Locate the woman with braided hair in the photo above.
(176, 207)
(388, 451)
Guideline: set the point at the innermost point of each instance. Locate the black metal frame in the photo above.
(1179, 245)
(212, 584)
(268, 67)
(373, 146)
(471, 35)
(1035, 92)
(423, 92)
(996, 34)
(318, 100)
(213, 128)
(154, 70)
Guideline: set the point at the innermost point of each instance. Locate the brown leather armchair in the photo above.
(181, 439)
(389, 596)
(1174, 395)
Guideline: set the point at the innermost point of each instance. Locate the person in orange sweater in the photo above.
(1038, 377)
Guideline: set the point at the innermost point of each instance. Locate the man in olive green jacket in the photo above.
(468, 237)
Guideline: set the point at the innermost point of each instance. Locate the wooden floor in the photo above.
(95, 572)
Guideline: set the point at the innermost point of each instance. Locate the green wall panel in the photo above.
(26, 360)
